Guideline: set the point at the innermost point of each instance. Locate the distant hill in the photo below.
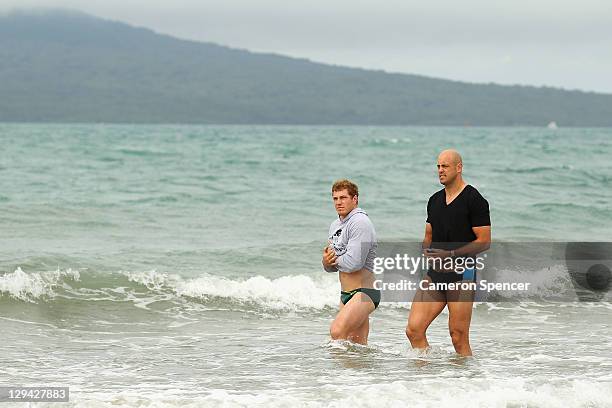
(61, 66)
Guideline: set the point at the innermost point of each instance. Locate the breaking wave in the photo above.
(286, 293)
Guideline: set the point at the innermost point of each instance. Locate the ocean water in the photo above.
(180, 265)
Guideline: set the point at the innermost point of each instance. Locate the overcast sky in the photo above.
(537, 42)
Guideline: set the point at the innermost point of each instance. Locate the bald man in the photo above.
(458, 226)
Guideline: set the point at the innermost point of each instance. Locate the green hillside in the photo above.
(60, 66)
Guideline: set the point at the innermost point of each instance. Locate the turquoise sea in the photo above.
(180, 265)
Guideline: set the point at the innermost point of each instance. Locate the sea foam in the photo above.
(31, 286)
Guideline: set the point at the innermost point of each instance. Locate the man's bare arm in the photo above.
(428, 236)
(480, 244)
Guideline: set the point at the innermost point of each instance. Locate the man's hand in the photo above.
(329, 257)
(436, 253)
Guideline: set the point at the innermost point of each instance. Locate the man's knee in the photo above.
(337, 331)
(459, 335)
(414, 332)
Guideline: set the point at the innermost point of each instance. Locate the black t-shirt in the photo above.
(452, 224)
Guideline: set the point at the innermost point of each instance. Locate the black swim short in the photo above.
(373, 294)
(464, 294)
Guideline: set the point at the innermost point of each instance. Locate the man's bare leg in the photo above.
(362, 331)
(352, 321)
(459, 318)
(424, 309)
(360, 335)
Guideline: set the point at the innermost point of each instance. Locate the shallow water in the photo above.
(179, 265)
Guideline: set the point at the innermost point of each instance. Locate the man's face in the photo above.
(343, 202)
(448, 169)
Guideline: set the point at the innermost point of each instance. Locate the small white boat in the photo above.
(552, 125)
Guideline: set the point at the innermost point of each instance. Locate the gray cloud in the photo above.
(542, 42)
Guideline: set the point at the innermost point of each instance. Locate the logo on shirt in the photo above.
(337, 243)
